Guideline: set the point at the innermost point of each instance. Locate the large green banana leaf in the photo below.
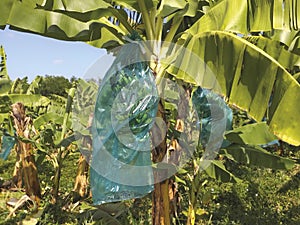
(27, 100)
(27, 16)
(49, 117)
(252, 134)
(249, 16)
(245, 149)
(276, 50)
(217, 170)
(33, 101)
(90, 21)
(248, 77)
(75, 6)
(290, 38)
(256, 156)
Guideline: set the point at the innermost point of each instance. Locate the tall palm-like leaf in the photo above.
(5, 81)
(3, 67)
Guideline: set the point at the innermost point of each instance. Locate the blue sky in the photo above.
(31, 55)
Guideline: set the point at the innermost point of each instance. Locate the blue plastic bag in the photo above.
(7, 144)
(215, 117)
(126, 106)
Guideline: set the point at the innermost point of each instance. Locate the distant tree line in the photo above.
(57, 85)
(47, 86)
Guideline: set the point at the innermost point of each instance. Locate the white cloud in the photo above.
(57, 61)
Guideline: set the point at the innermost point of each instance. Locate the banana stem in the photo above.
(175, 25)
(146, 19)
(159, 28)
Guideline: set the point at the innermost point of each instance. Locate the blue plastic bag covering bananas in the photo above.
(215, 117)
(7, 144)
(126, 106)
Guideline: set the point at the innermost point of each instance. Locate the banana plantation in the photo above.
(196, 121)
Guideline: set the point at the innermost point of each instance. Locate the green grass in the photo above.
(264, 197)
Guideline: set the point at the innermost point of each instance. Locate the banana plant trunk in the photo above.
(17, 174)
(165, 196)
(25, 165)
(57, 174)
(81, 180)
(160, 196)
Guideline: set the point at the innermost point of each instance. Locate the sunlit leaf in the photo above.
(251, 16)
(25, 16)
(257, 156)
(46, 118)
(217, 170)
(253, 134)
(246, 75)
(276, 50)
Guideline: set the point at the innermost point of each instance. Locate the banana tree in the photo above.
(5, 81)
(20, 96)
(25, 166)
(17, 126)
(56, 137)
(252, 72)
(44, 111)
(84, 101)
